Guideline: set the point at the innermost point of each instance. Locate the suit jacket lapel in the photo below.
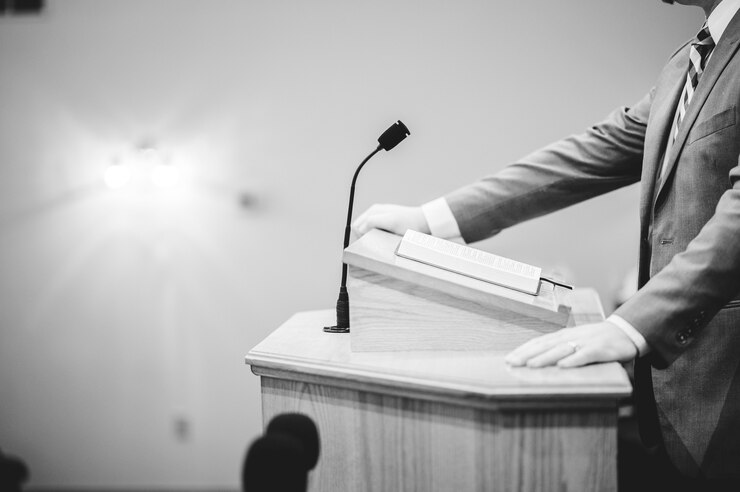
(722, 54)
(662, 111)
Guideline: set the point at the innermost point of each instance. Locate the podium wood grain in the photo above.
(443, 420)
(380, 442)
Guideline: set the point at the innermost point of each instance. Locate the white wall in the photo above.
(124, 311)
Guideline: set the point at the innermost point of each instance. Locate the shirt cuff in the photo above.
(629, 330)
(440, 219)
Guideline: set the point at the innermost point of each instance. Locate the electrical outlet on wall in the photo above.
(182, 427)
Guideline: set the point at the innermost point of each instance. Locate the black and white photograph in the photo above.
(369, 245)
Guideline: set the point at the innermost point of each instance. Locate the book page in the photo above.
(470, 261)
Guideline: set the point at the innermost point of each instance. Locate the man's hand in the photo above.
(392, 218)
(577, 346)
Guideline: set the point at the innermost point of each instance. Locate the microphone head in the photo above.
(302, 428)
(393, 135)
(275, 462)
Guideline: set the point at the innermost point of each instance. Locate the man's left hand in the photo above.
(574, 347)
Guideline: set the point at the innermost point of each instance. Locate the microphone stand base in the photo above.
(335, 329)
(342, 325)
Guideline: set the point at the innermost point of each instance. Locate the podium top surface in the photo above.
(299, 350)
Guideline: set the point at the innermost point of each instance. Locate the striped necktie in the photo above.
(699, 53)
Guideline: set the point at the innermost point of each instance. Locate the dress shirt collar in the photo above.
(721, 17)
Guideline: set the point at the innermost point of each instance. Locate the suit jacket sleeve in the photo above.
(606, 157)
(672, 308)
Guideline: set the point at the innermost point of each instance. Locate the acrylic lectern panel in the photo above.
(401, 304)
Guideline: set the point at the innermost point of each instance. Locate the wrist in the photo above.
(439, 220)
(631, 332)
(421, 221)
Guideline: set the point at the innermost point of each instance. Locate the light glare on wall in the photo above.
(145, 163)
(165, 175)
(117, 176)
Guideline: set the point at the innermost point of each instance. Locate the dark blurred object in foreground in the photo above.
(282, 458)
(21, 6)
(13, 473)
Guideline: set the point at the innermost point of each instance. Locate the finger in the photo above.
(552, 356)
(579, 358)
(532, 348)
(361, 226)
(364, 223)
(382, 221)
(381, 208)
(609, 350)
(364, 215)
(390, 222)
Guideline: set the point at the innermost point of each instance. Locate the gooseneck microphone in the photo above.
(389, 139)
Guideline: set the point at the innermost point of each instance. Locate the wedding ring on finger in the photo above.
(574, 346)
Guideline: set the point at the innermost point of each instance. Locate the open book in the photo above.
(469, 261)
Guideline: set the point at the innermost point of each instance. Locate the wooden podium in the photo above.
(443, 420)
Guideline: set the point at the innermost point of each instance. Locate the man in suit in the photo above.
(682, 142)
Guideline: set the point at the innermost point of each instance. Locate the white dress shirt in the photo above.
(442, 222)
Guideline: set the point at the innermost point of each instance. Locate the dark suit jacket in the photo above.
(688, 305)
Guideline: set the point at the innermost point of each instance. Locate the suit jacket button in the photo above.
(682, 337)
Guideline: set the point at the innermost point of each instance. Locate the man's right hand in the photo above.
(392, 218)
